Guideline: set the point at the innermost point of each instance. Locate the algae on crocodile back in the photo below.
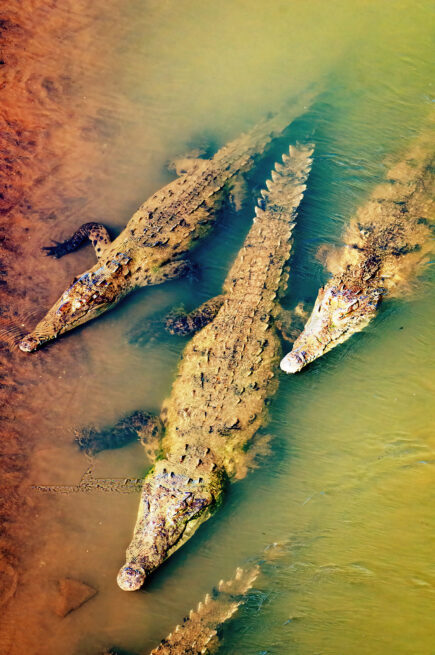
(159, 234)
(385, 246)
(225, 378)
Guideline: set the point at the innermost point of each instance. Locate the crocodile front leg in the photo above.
(170, 271)
(142, 426)
(179, 322)
(95, 232)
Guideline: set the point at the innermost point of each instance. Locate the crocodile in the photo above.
(385, 245)
(149, 250)
(224, 382)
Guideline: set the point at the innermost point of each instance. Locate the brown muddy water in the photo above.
(96, 99)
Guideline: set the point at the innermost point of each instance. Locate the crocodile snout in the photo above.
(131, 577)
(292, 363)
(29, 344)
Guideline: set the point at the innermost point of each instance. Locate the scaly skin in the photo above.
(198, 633)
(163, 229)
(385, 245)
(226, 374)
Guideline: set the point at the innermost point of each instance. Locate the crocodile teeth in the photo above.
(279, 167)
(200, 606)
(239, 573)
(220, 585)
(285, 158)
(258, 211)
(264, 193)
(269, 184)
(275, 176)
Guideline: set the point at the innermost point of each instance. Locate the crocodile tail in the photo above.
(274, 125)
(260, 263)
(198, 632)
(285, 189)
(240, 153)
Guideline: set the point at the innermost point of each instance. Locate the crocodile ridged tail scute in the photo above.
(285, 190)
(197, 634)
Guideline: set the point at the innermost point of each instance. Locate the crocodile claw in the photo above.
(57, 251)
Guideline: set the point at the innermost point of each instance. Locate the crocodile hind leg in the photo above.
(258, 449)
(290, 322)
(142, 426)
(95, 232)
(179, 322)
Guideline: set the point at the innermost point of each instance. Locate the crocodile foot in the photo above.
(183, 323)
(140, 425)
(95, 232)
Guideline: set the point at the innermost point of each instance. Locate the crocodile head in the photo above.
(171, 509)
(90, 295)
(338, 313)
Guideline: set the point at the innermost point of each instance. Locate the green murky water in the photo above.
(348, 487)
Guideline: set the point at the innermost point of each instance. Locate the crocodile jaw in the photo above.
(31, 343)
(292, 362)
(339, 312)
(172, 507)
(90, 295)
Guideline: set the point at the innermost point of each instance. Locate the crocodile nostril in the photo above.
(292, 363)
(28, 345)
(131, 577)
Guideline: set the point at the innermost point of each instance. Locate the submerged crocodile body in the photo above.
(226, 375)
(163, 229)
(384, 246)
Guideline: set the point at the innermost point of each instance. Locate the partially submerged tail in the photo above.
(258, 271)
(198, 634)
